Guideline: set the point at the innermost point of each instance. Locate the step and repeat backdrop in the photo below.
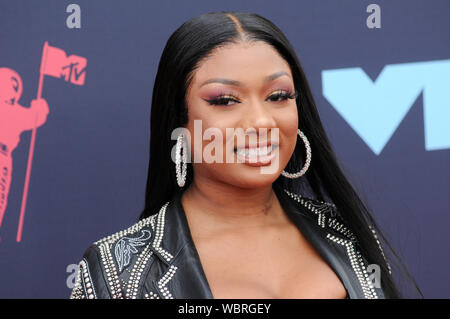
(76, 80)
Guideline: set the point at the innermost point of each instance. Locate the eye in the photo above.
(282, 95)
(222, 100)
(229, 99)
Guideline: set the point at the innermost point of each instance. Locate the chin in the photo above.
(251, 178)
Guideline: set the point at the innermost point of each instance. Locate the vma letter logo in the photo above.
(375, 109)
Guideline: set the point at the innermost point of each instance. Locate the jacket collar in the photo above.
(174, 246)
(312, 223)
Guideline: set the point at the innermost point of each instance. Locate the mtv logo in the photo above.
(375, 109)
(75, 72)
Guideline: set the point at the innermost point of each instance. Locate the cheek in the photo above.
(288, 123)
(208, 136)
(288, 133)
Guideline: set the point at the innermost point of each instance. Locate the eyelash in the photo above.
(231, 97)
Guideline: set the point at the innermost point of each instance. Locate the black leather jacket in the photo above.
(156, 257)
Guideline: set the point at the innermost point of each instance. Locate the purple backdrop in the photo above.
(90, 157)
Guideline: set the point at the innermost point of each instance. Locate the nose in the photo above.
(258, 119)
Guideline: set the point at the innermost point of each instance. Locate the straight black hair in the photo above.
(194, 41)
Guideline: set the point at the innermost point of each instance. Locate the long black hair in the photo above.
(194, 41)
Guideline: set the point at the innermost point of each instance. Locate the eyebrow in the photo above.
(237, 83)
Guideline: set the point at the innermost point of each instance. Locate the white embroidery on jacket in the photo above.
(126, 246)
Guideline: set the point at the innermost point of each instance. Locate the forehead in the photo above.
(246, 62)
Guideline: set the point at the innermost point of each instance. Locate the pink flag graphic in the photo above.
(56, 63)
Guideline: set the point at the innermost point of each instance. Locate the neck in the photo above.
(213, 206)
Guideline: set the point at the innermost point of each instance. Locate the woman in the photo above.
(228, 229)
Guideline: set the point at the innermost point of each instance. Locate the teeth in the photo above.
(254, 152)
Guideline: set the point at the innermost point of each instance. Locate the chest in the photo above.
(279, 265)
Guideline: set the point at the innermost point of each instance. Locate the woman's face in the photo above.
(246, 86)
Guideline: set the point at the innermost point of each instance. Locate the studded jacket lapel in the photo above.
(180, 273)
(319, 223)
(183, 275)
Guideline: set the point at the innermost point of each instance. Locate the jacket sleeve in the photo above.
(90, 281)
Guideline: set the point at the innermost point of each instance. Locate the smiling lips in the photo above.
(256, 156)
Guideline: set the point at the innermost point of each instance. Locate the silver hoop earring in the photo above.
(308, 158)
(181, 171)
